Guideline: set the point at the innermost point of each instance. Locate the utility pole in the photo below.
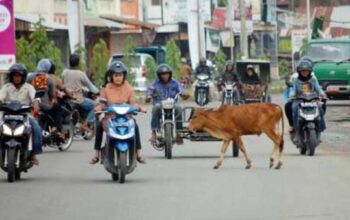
(308, 19)
(81, 23)
(229, 11)
(199, 30)
(243, 37)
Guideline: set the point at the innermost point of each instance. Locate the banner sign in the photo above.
(7, 35)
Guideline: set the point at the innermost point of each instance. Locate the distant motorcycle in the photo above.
(201, 94)
(231, 94)
(15, 140)
(308, 126)
(119, 153)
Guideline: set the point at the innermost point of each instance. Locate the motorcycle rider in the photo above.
(17, 89)
(229, 75)
(77, 80)
(116, 91)
(162, 88)
(186, 71)
(304, 70)
(203, 68)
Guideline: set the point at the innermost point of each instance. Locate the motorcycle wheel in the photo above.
(312, 142)
(302, 150)
(121, 166)
(68, 142)
(168, 141)
(11, 165)
(115, 177)
(235, 149)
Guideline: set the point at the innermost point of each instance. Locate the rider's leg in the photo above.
(322, 122)
(37, 139)
(98, 143)
(178, 118)
(288, 111)
(155, 122)
(88, 106)
(138, 144)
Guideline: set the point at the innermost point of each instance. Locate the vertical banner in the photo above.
(7, 35)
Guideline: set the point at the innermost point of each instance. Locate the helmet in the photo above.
(117, 67)
(44, 65)
(250, 67)
(183, 60)
(52, 69)
(164, 68)
(306, 58)
(229, 62)
(18, 68)
(304, 65)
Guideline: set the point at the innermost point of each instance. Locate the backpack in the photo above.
(39, 82)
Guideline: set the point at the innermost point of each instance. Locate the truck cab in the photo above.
(331, 65)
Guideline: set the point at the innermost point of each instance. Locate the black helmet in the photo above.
(117, 67)
(18, 68)
(164, 68)
(306, 58)
(304, 65)
(52, 69)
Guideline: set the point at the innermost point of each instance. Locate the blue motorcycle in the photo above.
(119, 153)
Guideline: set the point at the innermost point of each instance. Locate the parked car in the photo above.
(138, 66)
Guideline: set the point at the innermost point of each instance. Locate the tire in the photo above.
(235, 149)
(302, 150)
(115, 177)
(11, 165)
(312, 142)
(18, 175)
(168, 139)
(122, 166)
(68, 143)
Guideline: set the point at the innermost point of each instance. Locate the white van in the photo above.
(138, 67)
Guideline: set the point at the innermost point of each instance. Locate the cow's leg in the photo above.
(224, 147)
(243, 149)
(271, 133)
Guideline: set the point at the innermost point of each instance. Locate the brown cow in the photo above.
(230, 122)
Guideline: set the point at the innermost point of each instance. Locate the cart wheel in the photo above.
(235, 149)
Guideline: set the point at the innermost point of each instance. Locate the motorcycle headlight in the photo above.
(167, 104)
(19, 130)
(6, 130)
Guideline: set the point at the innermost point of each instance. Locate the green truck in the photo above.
(331, 58)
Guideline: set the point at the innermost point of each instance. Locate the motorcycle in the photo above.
(167, 134)
(308, 127)
(119, 153)
(202, 89)
(15, 140)
(231, 94)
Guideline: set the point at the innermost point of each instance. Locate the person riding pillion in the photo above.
(17, 89)
(165, 86)
(116, 91)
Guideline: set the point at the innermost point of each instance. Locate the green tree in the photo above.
(283, 68)
(129, 58)
(38, 46)
(220, 60)
(100, 56)
(173, 59)
(303, 47)
(82, 52)
(222, 3)
(151, 66)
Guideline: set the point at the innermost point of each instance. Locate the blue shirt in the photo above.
(160, 91)
(297, 87)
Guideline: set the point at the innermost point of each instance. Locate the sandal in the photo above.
(141, 160)
(34, 161)
(94, 160)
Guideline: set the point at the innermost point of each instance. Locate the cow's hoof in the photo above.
(216, 167)
(279, 165)
(271, 165)
(248, 166)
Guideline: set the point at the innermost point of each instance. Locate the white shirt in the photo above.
(25, 94)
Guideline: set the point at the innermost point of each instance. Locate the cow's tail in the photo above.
(282, 134)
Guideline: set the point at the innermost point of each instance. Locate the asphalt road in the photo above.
(65, 186)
